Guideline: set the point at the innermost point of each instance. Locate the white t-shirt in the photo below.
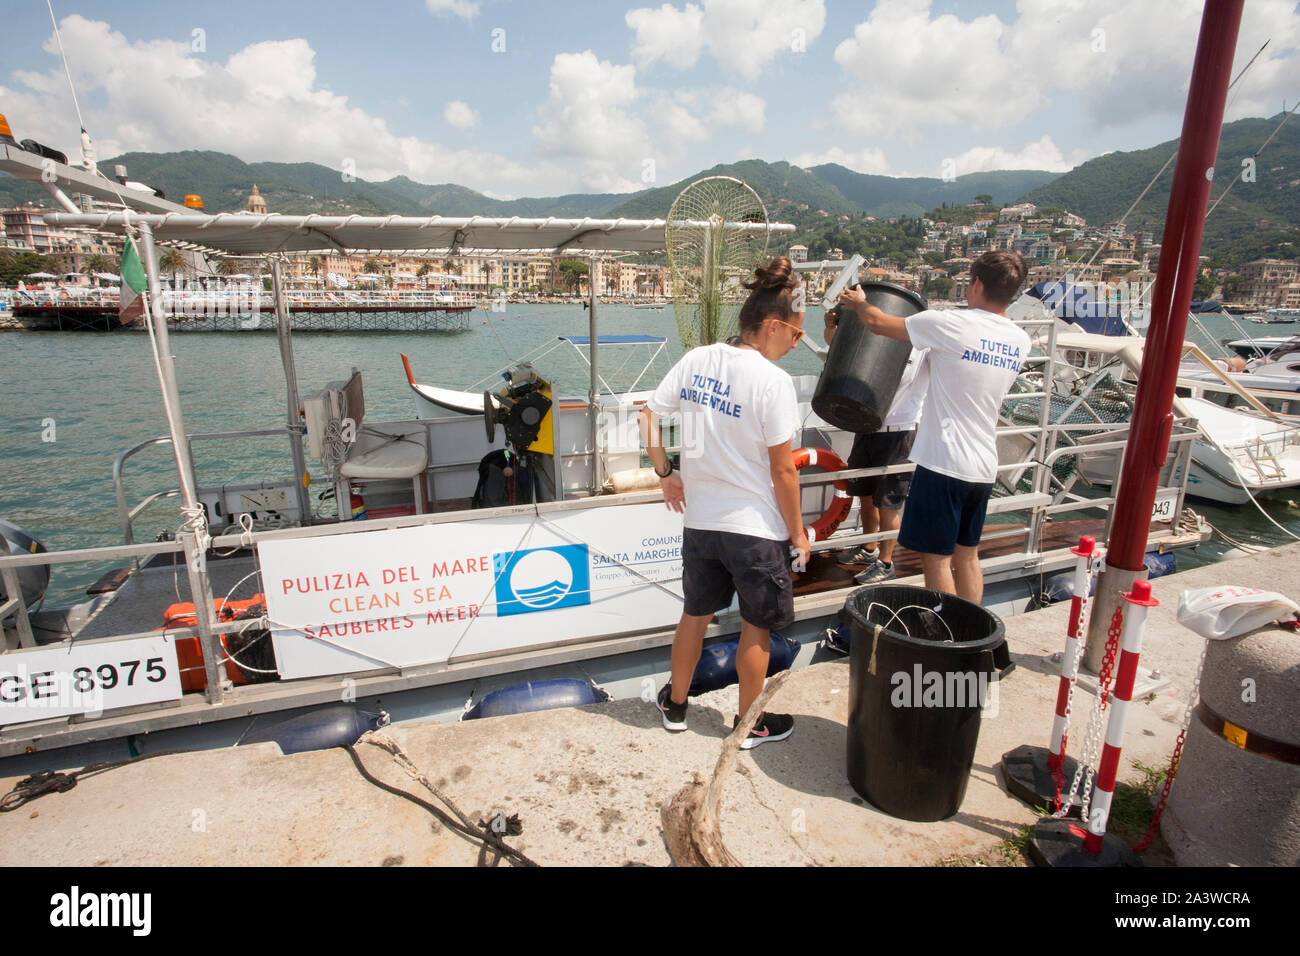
(910, 397)
(734, 405)
(974, 358)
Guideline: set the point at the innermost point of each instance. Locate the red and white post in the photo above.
(1140, 601)
(1084, 554)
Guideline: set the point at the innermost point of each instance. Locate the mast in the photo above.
(1148, 443)
(593, 389)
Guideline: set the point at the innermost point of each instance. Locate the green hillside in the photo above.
(1257, 218)
(782, 187)
(883, 196)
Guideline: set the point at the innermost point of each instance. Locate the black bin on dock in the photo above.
(862, 371)
(920, 666)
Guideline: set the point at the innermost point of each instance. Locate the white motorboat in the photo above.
(1239, 452)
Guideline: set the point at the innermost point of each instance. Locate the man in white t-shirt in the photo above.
(975, 356)
(739, 491)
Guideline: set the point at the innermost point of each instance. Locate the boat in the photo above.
(409, 596)
(1238, 453)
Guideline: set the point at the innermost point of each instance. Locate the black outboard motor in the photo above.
(33, 579)
(862, 370)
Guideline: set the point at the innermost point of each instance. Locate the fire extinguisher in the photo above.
(358, 505)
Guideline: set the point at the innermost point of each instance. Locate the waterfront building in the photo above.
(1265, 281)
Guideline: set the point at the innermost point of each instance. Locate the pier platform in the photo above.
(588, 783)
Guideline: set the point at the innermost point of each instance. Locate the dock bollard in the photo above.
(1035, 774)
(1056, 842)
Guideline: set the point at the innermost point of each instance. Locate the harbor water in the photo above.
(75, 400)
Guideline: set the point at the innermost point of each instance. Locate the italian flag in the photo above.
(131, 302)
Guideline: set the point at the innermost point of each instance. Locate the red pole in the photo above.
(1180, 250)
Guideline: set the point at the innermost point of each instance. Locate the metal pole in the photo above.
(293, 398)
(593, 389)
(1148, 445)
(1140, 601)
(196, 564)
(167, 373)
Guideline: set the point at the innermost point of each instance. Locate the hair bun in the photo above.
(777, 274)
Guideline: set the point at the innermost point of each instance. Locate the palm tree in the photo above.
(314, 264)
(227, 267)
(174, 262)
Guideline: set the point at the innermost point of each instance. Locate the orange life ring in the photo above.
(841, 504)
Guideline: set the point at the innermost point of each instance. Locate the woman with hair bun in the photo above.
(738, 489)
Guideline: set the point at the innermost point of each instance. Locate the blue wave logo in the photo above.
(541, 579)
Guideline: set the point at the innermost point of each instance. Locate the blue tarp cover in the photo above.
(1076, 303)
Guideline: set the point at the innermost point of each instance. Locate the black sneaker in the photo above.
(861, 555)
(876, 572)
(770, 727)
(674, 715)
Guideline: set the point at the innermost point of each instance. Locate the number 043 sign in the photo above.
(87, 679)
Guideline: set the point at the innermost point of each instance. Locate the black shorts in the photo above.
(873, 451)
(943, 512)
(718, 565)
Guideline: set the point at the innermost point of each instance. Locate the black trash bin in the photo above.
(920, 665)
(862, 371)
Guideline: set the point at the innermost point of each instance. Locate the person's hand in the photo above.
(674, 491)
(853, 298)
(800, 543)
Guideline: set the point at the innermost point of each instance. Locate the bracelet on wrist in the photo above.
(665, 474)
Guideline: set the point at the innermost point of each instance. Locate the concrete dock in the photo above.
(588, 783)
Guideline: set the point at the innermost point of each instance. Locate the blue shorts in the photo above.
(942, 512)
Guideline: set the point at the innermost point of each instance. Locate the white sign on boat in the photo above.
(410, 596)
(87, 678)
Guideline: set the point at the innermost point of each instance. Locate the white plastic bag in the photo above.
(1228, 611)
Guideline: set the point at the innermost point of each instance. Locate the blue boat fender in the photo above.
(537, 695)
(1060, 587)
(717, 666)
(332, 726)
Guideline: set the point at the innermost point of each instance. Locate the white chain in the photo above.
(1068, 798)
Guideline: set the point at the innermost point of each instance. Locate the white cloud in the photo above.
(466, 9)
(1134, 60)
(1043, 154)
(744, 36)
(865, 161)
(1124, 61)
(912, 70)
(675, 119)
(734, 107)
(667, 33)
(459, 115)
(588, 116)
(263, 103)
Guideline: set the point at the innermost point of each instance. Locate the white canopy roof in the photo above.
(244, 234)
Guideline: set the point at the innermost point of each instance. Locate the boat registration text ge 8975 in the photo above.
(87, 678)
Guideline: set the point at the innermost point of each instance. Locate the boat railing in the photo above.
(1035, 502)
(127, 513)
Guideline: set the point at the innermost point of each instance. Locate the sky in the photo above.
(539, 98)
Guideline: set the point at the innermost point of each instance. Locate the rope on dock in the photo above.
(483, 833)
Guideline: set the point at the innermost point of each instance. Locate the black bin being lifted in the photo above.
(862, 370)
(921, 663)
